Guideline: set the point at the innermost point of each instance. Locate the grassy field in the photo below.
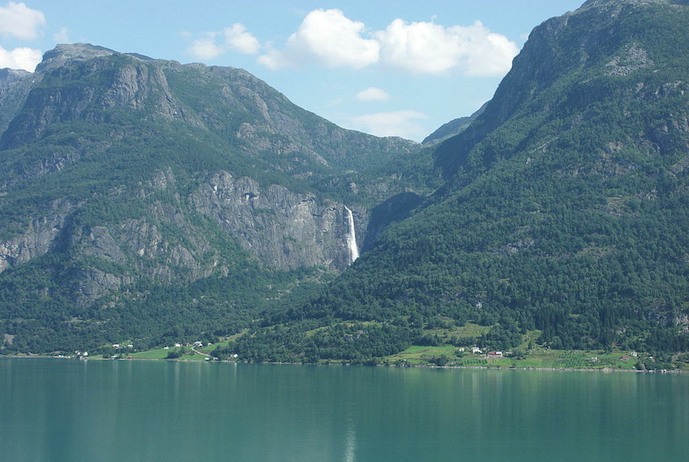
(200, 353)
(536, 358)
(162, 353)
(418, 355)
(528, 355)
(151, 354)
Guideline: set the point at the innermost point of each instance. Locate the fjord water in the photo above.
(62, 410)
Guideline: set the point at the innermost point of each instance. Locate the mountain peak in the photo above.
(7, 73)
(619, 3)
(63, 53)
(613, 7)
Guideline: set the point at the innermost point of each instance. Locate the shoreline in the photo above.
(606, 370)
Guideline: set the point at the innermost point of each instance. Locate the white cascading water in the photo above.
(351, 237)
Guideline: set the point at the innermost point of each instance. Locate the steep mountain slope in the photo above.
(565, 208)
(142, 198)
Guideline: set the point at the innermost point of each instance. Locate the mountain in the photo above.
(146, 200)
(14, 85)
(452, 128)
(563, 213)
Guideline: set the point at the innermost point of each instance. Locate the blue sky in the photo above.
(400, 68)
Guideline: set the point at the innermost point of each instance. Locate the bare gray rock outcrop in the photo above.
(37, 238)
(284, 229)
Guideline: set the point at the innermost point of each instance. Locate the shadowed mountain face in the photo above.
(123, 176)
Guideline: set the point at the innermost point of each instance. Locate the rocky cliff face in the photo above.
(283, 229)
(38, 237)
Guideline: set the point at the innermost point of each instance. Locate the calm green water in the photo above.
(62, 410)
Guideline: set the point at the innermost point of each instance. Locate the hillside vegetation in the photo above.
(564, 211)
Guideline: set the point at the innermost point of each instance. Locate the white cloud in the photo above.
(205, 48)
(491, 53)
(19, 21)
(62, 35)
(20, 58)
(398, 123)
(428, 48)
(372, 94)
(237, 38)
(327, 37)
(273, 59)
(234, 38)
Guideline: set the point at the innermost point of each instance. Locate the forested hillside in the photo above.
(564, 212)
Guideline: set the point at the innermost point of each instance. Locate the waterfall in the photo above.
(351, 237)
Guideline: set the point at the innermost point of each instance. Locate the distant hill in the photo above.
(564, 211)
(452, 128)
